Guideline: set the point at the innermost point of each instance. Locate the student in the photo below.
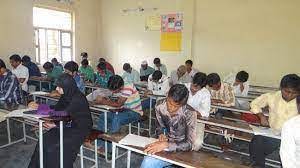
(180, 76)
(57, 64)
(158, 84)
(241, 88)
(9, 86)
(53, 72)
(20, 71)
(74, 103)
(32, 67)
(189, 68)
(87, 71)
(199, 99)
(130, 75)
(290, 141)
(282, 106)
(102, 76)
(84, 56)
(176, 128)
(159, 66)
(108, 65)
(145, 71)
(71, 68)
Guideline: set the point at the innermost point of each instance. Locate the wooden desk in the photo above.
(41, 80)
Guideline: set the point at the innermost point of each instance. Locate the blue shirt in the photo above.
(33, 69)
(80, 83)
(10, 91)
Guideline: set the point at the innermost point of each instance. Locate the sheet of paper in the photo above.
(268, 132)
(19, 113)
(39, 93)
(135, 140)
(2, 116)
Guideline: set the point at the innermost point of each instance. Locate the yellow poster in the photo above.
(170, 41)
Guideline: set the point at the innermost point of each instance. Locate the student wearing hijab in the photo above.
(75, 104)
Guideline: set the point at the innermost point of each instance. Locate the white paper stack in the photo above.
(135, 140)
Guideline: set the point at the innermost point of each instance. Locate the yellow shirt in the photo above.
(279, 110)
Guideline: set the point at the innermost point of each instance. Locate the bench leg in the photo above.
(139, 128)
(129, 128)
(24, 131)
(128, 158)
(96, 154)
(81, 156)
(113, 157)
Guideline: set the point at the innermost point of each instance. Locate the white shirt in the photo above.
(22, 72)
(159, 88)
(133, 77)
(244, 104)
(200, 101)
(182, 80)
(193, 72)
(162, 69)
(290, 143)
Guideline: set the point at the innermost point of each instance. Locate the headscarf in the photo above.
(68, 84)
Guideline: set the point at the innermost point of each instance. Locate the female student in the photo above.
(75, 104)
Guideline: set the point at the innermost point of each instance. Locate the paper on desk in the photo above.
(39, 93)
(19, 113)
(99, 92)
(268, 132)
(2, 116)
(135, 140)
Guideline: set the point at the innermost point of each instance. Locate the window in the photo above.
(53, 35)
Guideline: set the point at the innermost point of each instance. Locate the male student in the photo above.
(176, 126)
(159, 66)
(87, 71)
(221, 93)
(108, 65)
(130, 75)
(199, 99)
(53, 72)
(282, 106)
(84, 56)
(32, 67)
(241, 88)
(20, 71)
(180, 76)
(57, 64)
(71, 68)
(290, 141)
(9, 85)
(103, 75)
(145, 71)
(189, 68)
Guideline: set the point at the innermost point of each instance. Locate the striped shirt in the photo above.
(133, 101)
(10, 91)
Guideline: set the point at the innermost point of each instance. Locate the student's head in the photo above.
(84, 63)
(144, 65)
(15, 60)
(156, 76)
(102, 60)
(127, 67)
(214, 81)
(199, 81)
(71, 68)
(290, 87)
(241, 77)
(48, 66)
(66, 86)
(115, 83)
(189, 64)
(177, 97)
(101, 67)
(84, 55)
(181, 70)
(157, 62)
(54, 61)
(2, 67)
(26, 60)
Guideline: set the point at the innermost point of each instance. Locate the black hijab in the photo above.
(68, 84)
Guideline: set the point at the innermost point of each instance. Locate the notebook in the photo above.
(136, 140)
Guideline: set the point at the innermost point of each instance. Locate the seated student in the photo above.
(71, 68)
(199, 99)
(290, 141)
(9, 86)
(282, 106)
(241, 88)
(145, 71)
(159, 66)
(32, 67)
(130, 75)
(102, 76)
(74, 103)
(180, 76)
(57, 64)
(108, 65)
(84, 56)
(20, 71)
(52, 72)
(176, 126)
(87, 71)
(189, 68)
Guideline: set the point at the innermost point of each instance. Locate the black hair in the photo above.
(102, 60)
(84, 62)
(291, 81)
(54, 60)
(84, 54)
(48, 65)
(101, 66)
(242, 76)
(179, 93)
(189, 62)
(16, 58)
(200, 79)
(71, 66)
(2, 64)
(26, 58)
(115, 82)
(213, 79)
(156, 75)
(156, 61)
(126, 66)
